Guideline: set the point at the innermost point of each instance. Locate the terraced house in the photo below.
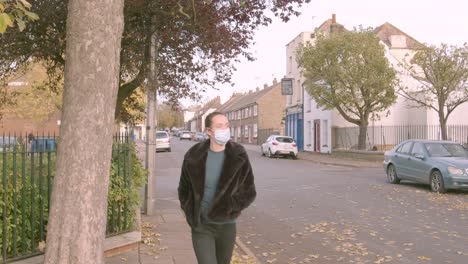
(255, 115)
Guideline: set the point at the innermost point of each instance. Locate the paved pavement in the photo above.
(166, 236)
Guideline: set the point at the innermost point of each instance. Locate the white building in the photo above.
(321, 127)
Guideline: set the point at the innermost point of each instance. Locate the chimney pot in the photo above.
(333, 18)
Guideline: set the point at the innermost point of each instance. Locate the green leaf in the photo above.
(25, 3)
(7, 19)
(31, 15)
(21, 24)
(3, 22)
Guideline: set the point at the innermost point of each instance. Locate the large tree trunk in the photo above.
(362, 137)
(77, 218)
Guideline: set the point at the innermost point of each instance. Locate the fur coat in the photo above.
(236, 188)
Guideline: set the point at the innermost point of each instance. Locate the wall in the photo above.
(271, 107)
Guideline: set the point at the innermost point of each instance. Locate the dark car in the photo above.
(441, 164)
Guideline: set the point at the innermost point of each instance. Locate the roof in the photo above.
(386, 30)
(249, 98)
(234, 98)
(328, 26)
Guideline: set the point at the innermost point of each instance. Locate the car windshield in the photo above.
(161, 135)
(446, 150)
(284, 140)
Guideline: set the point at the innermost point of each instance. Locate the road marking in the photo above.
(342, 197)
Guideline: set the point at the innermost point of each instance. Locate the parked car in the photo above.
(185, 135)
(163, 141)
(441, 164)
(277, 145)
(200, 136)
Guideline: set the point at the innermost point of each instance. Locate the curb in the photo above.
(246, 250)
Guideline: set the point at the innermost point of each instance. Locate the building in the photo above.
(304, 127)
(322, 128)
(197, 122)
(255, 115)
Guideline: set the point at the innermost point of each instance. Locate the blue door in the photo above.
(300, 134)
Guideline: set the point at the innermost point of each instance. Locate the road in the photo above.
(312, 213)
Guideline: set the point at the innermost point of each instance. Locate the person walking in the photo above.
(216, 184)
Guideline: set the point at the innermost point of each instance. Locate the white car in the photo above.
(279, 146)
(185, 135)
(163, 141)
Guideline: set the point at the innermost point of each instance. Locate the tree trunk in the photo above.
(443, 128)
(362, 137)
(77, 219)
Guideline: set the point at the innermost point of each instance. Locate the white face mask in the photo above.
(222, 136)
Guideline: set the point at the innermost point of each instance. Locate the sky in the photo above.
(428, 21)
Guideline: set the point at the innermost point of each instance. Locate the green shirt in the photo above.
(214, 167)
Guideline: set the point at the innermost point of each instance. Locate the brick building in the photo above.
(255, 115)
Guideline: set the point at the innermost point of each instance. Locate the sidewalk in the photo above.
(327, 159)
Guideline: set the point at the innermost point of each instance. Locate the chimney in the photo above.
(275, 81)
(333, 18)
(265, 86)
(257, 89)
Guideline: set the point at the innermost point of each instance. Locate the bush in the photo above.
(23, 217)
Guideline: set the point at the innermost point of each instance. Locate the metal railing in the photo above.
(386, 137)
(27, 172)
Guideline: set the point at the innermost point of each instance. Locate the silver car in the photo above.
(163, 141)
(441, 164)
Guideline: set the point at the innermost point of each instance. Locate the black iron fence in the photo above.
(27, 165)
(386, 137)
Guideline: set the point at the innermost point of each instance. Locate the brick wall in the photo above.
(271, 109)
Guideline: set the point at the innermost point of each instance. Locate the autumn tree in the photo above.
(169, 116)
(442, 80)
(348, 71)
(198, 41)
(32, 99)
(77, 215)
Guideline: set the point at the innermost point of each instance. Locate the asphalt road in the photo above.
(311, 213)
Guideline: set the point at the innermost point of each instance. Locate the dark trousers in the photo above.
(214, 243)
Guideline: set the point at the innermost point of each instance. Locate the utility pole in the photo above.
(151, 126)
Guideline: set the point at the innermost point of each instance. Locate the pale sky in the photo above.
(428, 21)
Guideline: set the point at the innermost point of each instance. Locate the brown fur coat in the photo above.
(236, 188)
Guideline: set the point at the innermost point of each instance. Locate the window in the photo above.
(405, 148)
(255, 130)
(238, 132)
(446, 150)
(246, 131)
(299, 94)
(418, 148)
(325, 133)
(255, 110)
(285, 139)
(239, 116)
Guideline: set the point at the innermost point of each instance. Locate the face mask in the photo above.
(222, 136)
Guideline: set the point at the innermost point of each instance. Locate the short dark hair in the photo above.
(209, 119)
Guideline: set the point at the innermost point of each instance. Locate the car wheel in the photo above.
(261, 151)
(269, 154)
(294, 157)
(437, 182)
(392, 175)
